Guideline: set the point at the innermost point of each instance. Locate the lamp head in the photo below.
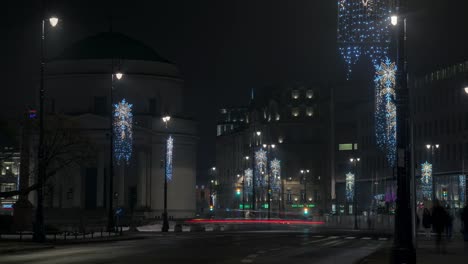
(394, 20)
(53, 21)
(119, 75)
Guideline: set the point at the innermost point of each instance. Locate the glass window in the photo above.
(347, 146)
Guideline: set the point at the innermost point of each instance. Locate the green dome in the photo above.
(110, 45)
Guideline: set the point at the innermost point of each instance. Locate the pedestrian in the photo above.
(449, 227)
(439, 222)
(427, 222)
(464, 220)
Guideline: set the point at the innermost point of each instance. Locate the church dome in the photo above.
(110, 45)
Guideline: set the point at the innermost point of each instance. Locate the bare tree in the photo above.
(64, 146)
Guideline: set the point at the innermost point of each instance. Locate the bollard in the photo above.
(92, 234)
(55, 237)
(121, 230)
(76, 235)
(101, 232)
(65, 236)
(21, 235)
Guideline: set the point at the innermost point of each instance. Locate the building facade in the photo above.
(79, 86)
(275, 148)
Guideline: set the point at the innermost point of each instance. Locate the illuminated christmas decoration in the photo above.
(385, 109)
(260, 167)
(426, 180)
(462, 185)
(248, 177)
(275, 168)
(363, 29)
(169, 157)
(350, 186)
(123, 131)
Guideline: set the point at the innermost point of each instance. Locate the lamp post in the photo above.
(269, 147)
(165, 226)
(403, 247)
(110, 212)
(39, 232)
(246, 158)
(431, 148)
(354, 161)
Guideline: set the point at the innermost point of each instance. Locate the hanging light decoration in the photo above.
(350, 186)
(275, 168)
(169, 157)
(462, 185)
(363, 29)
(123, 131)
(385, 108)
(260, 166)
(426, 180)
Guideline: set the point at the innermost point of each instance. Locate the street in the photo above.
(298, 246)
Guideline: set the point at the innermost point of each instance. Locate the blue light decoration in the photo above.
(462, 185)
(385, 109)
(123, 131)
(248, 174)
(426, 180)
(169, 157)
(350, 181)
(260, 167)
(275, 168)
(363, 29)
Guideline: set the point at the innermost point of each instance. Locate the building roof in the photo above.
(110, 45)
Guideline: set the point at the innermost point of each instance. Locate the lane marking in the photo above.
(275, 249)
(366, 238)
(334, 237)
(318, 236)
(383, 238)
(261, 251)
(350, 237)
(316, 241)
(247, 261)
(252, 256)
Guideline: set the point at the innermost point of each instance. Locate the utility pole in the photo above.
(403, 248)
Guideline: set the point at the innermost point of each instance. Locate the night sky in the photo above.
(223, 48)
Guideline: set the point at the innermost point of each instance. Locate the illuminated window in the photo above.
(346, 146)
(310, 94)
(295, 94)
(295, 111)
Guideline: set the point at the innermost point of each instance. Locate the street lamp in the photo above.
(110, 212)
(39, 232)
(165, 226)
(394, 20)
(268, 147)
(354, 161)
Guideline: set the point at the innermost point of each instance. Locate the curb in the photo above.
(18, 250)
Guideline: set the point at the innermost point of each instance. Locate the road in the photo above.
(215, 247)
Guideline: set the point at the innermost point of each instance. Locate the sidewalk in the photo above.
(13, 246)
(426, 252)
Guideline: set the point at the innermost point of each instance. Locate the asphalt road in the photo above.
(216, 247)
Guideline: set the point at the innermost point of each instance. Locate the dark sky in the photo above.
(223, 48)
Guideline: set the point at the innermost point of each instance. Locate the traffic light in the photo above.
(211, 208)
(306, 211)
(238, 191)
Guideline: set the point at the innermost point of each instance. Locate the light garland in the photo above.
(385, 108)
(275, 166)
(123, 131)
(462, 185)
(363, 29)
(426, 180)
(260, 166)
(350, 181)
(169, 157)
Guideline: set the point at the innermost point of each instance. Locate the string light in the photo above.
(462, 185)
(350, 186)
(123, 131)
(385, 114)
(363, 29)
(260, 166)
(426, 180)
(275, 166)
(169, 157)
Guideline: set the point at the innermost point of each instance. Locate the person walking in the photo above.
(439, 222)
(449, 224)
(464, 220)
(427, 222)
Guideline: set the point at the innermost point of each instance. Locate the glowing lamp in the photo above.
(394, 20)
(119, 75)
(53, 21)
(466, 89)
(259, 133)
(428, 146)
